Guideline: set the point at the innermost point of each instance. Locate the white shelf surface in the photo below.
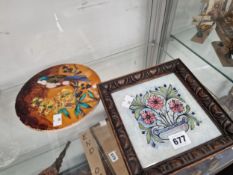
(204, 51)
(206, 74)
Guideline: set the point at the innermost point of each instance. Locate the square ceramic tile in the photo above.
(155, 110)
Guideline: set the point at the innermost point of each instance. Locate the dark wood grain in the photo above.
(211, 107)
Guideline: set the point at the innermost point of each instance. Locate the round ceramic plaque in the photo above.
(58, 97)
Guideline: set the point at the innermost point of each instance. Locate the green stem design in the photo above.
(167, 116)
(167, 119)
(173, 117)
(172, 123)
(162, 122)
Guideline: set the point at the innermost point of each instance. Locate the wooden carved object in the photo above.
(55, 167)
(224, 29)
(204, 22)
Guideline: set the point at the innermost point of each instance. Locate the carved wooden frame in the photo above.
(201, 95)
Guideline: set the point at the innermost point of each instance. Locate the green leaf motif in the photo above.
(172, 93)
(156, 93)
(163, 91)
(83, 97)
(141, 126)
(145, 97)
(84, 105)
(137, 113)
(191, 123)
(157, 139)
(148, 136)
(137, 101)
(196, 121)
(90, 94)
(187, 109)
(137, 105)
(77, 110)
(65, 112)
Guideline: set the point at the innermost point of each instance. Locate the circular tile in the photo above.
(58, 97)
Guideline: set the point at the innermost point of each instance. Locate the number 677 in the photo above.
(179, 140)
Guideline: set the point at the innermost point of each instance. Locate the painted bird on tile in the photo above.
(59, 80)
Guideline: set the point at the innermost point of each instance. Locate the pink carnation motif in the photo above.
(155, 102)
(148, 117)
(176, 106)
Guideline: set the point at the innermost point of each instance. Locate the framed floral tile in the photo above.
(164, 119)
